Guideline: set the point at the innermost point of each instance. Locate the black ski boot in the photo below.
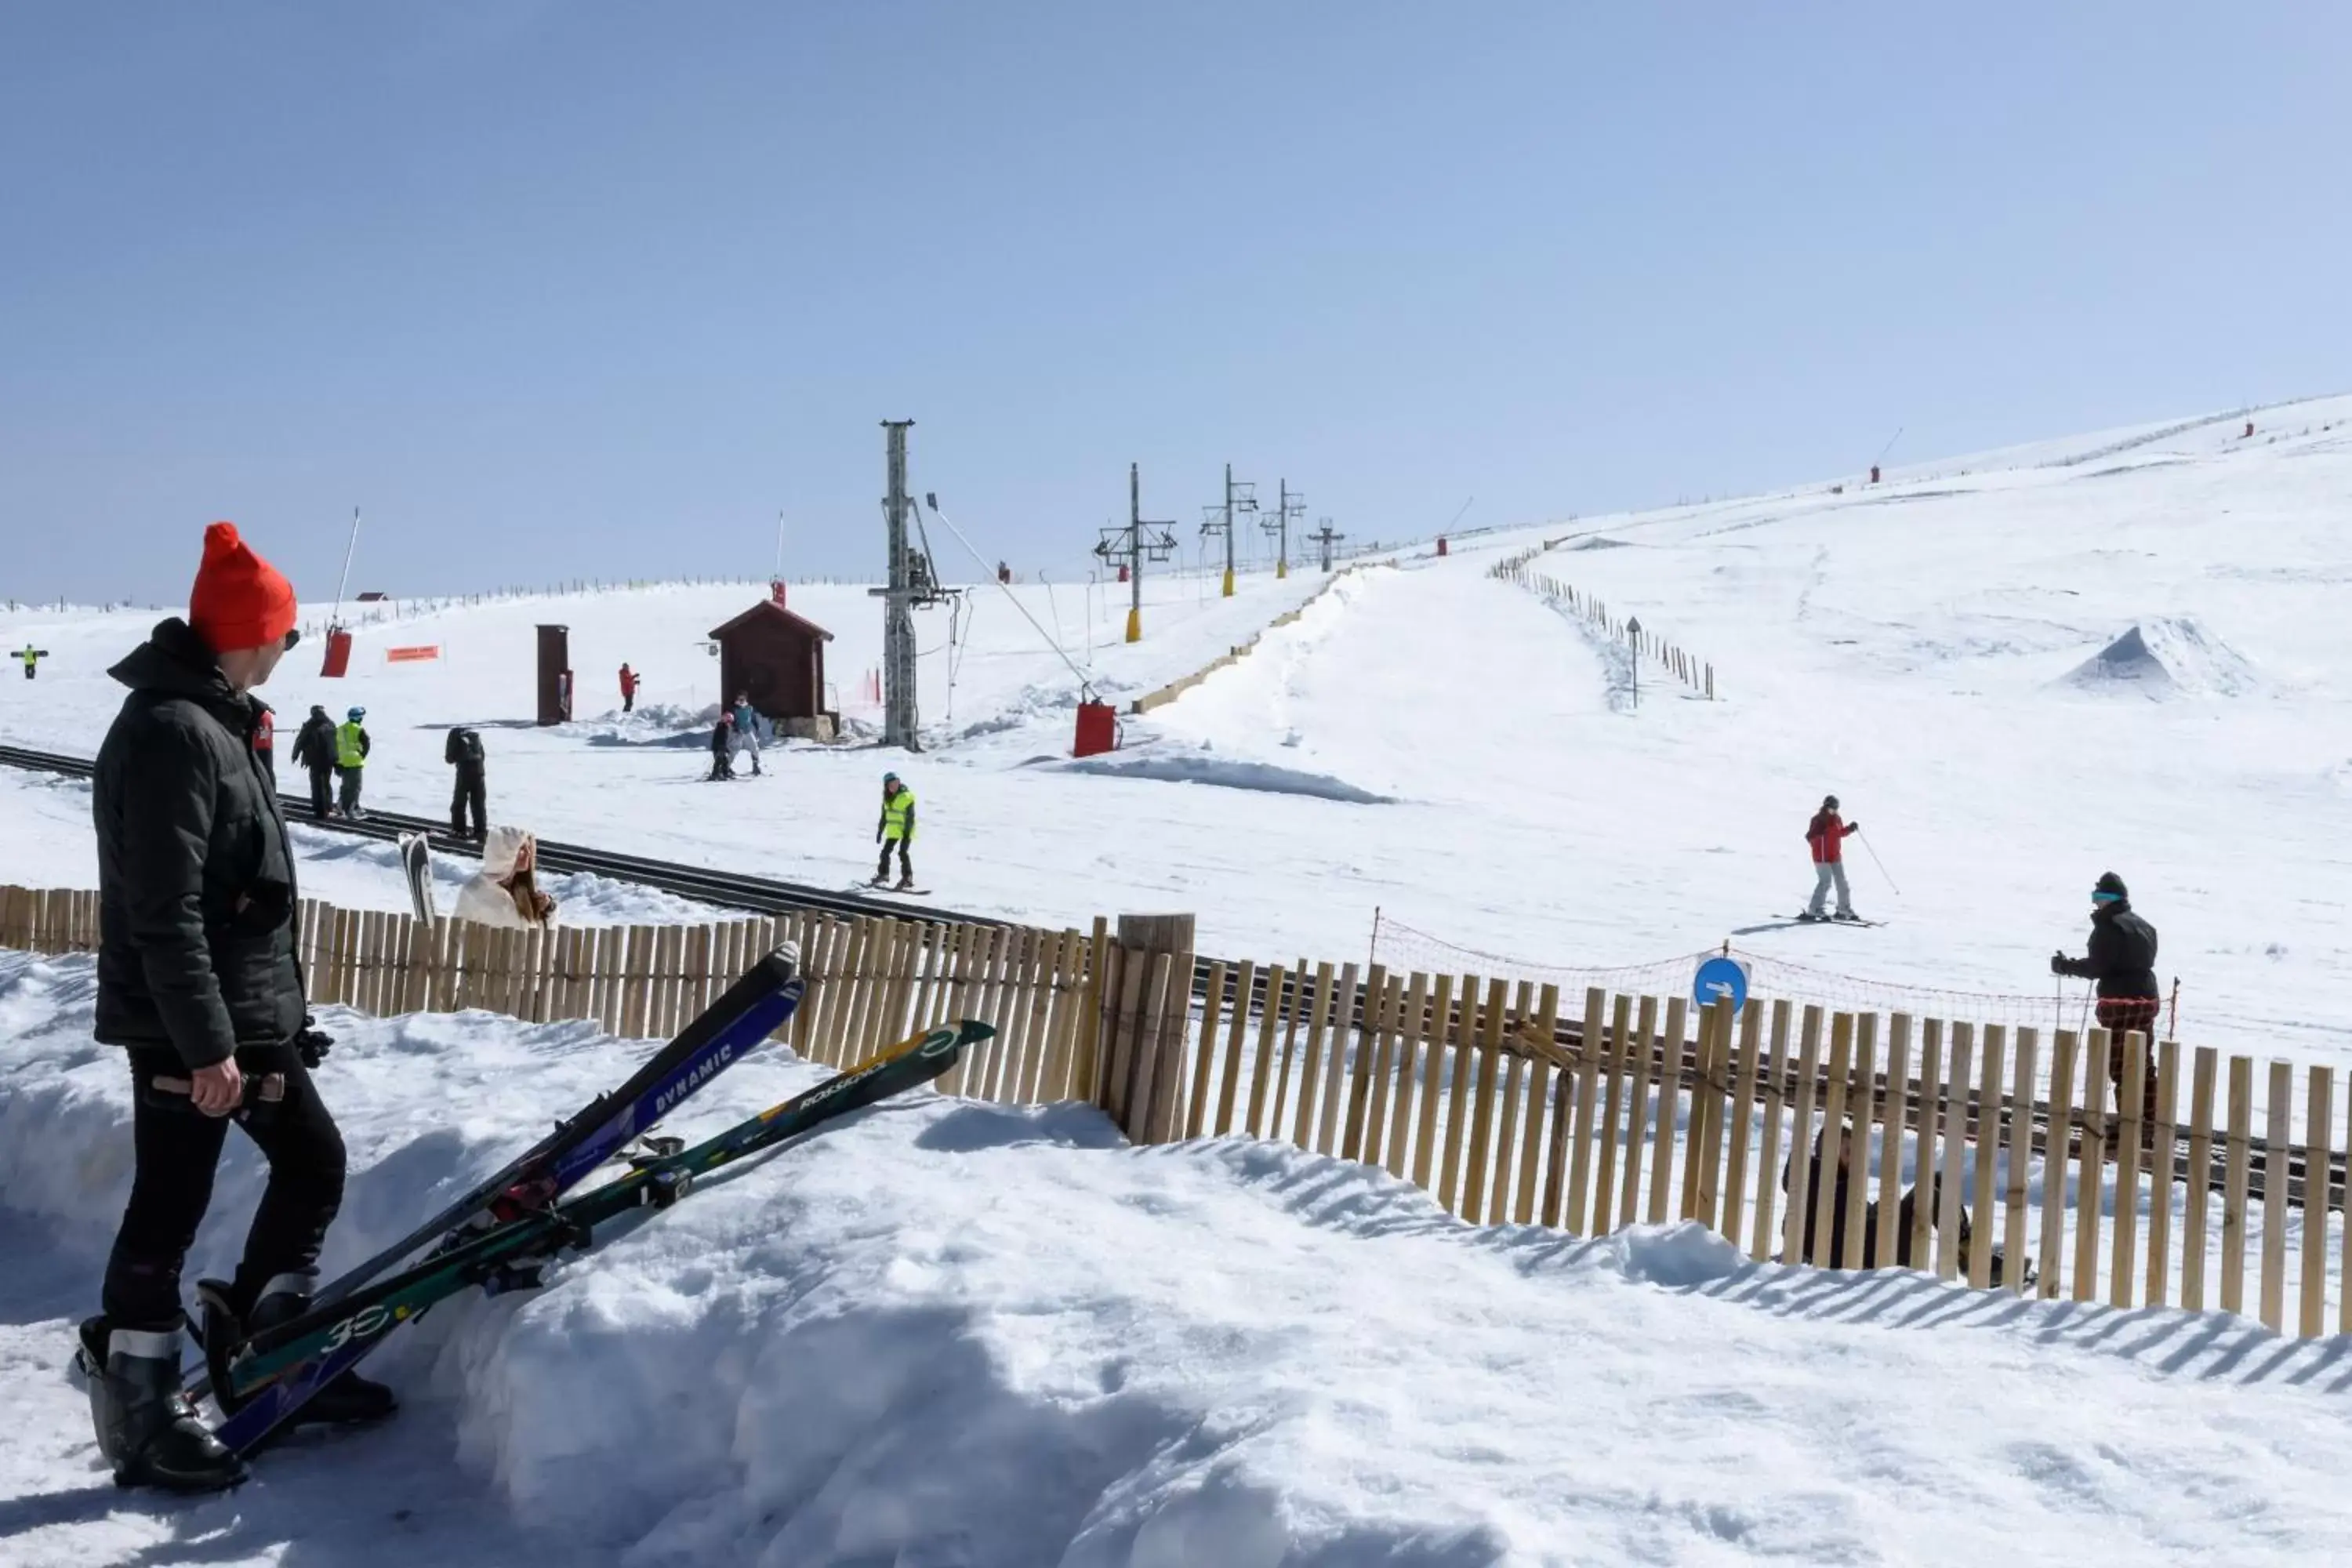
(349, 1400)
(147, 1429)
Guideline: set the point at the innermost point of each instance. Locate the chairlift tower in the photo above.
(1292, 504)
(1239, 497)
(1326, 538)
(912, 584)
(1133, 545)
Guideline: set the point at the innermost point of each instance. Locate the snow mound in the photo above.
(1228, 773)
(2167, 657)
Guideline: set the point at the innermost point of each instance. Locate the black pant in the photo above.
(350, 796)
(469, 793)
(177, 1148)
(628, 701)
(321, 791)
(882, 867)
(722, 765)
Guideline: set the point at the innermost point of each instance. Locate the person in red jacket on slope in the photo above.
(1826, 833)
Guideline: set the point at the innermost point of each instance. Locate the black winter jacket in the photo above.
(2122, 956)
(197, 887)
(314, 747)
(463, 750)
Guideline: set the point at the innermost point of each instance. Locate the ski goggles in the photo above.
(2101, 896)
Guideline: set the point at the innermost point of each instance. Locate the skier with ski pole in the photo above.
(1825, 836)
(197, 977)
(2121, 958)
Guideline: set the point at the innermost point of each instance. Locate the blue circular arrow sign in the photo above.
(1719, 977)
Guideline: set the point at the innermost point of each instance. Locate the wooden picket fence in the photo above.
(1482, 1092)
(1696, 673)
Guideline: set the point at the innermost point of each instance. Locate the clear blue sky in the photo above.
(558, 290)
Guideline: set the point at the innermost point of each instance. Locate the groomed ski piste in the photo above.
(945, 1332)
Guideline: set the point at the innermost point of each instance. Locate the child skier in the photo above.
(896, 826)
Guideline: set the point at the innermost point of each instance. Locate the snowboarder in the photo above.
(32, 656)
(464, 753)
(1835, 1255)
(197, 977)
(628, 688)
(1827, 835)
(2122, 959)
(265, 739)
(747, 731)
(896, 826)
(351, 760)
(314, 751)
(722, 746)
(505, 891)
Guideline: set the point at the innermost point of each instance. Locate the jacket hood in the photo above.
(176, 662)
(500, 846)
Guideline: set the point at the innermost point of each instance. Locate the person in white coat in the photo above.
(505, 891)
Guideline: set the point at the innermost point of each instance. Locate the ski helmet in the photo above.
(2110, 890)
(356, 714)
(1829, 803)
(889, 779)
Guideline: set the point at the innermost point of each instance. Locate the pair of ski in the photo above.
(499, 1233)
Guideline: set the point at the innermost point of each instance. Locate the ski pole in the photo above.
(1880, 864)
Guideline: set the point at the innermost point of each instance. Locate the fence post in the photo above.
(1143, 1049)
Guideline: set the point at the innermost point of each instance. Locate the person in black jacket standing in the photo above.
(314, 752)
(197, 977)
(464, 753)
(2122, 959)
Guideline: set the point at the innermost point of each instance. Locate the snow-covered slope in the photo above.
(957, 1333)
(1453, 751)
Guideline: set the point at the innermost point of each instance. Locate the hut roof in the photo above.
(770, 608)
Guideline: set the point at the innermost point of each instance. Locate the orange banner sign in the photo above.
(411, 655)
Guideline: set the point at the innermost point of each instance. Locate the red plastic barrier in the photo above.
(1097, 729)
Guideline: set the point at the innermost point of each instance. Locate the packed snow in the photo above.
(955, 1333)
(1453, 751)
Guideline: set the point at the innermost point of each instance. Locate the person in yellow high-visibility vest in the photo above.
(351, 760)
(897, 827)
(32, 656)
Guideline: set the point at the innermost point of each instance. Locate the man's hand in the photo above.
(218, 1088)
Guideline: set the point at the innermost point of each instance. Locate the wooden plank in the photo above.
(2165, 1144)
(1533, 1144)
(2234, 1196)
(1486, 1032)
(1615, 1054)
(1637, 1111)
(1229, 1090)
(1703, 1070)
(1460, 1047)
(931, 976)
(1826, 1218)
(2281, 1129)
(2319, 1113)
(1196, 1114)
(1123, 1007)
(1577, 1216)
(1771, 1105)
(1739, 1120)
(1036, 1045)
(636, 978)
(1311, 1069)
(1721, 1087)
(1294, 1007)
(1894, 1125)
(1409, 1024)
(1956, 1135)
(1086, 1070)
(1061, 1024)
(1800, 1186)
(2091, 1165)
(1007, 1062)
(2053, 1163)
(1860, 1110)
(1372, 1064)
(1990, 1069)
(2131, 1105)
(1157, 999)
(964, 996)
(1262, 1068)
(2020, 1158)
(1432, 1082)
(1669, 1103)
(1336, 1075)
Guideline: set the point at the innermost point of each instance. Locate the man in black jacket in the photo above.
(464, 753)
(2122, 959)
(197, 977)
(314, 751)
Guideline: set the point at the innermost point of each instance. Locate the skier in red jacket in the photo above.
(1826, 833)
(628, 688)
